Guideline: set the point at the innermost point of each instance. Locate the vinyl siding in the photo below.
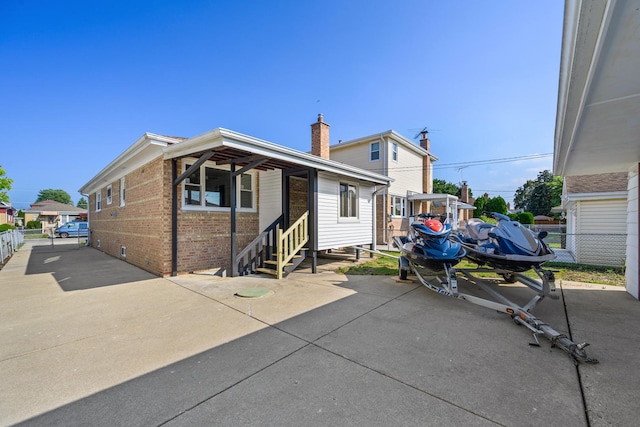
(270, 197)
(632, 268)
(602, 228)
(333, 233)
(358, 156)
(407, 172)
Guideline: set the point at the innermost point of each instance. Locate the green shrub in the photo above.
(34, 225)
(525, 218)
(5, 227)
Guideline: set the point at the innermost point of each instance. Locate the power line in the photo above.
(460, 165)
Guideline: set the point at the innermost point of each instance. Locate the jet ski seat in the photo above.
(478, 230)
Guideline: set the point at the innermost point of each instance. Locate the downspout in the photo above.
(385, 238)
(374, 231)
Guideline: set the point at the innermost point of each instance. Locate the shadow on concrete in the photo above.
(78, 267)
(386, 361)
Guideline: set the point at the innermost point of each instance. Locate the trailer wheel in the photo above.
(402, 273)
(509, 277)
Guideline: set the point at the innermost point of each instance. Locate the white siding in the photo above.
(633, 286)
(270, 197)
(358, 156)
(333, 233)
(406, 172)
(602, 225)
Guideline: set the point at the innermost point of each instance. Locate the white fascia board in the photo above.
(582, 19)
(433, 197)
(146, 148)
(224, 137)
(610, 195)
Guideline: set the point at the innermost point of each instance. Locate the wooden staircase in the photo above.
(275, 251)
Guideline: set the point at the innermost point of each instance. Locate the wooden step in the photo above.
(271, 262)
(267, 271)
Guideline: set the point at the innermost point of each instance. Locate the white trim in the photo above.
(123, 192)
(226, 138)
(109, 194)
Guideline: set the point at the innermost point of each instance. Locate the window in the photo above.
(122, 191)
(98, 201)
(374, 151)
(217, 189)
(109, 198)
(348, 201)
(394, 151)
(398, 206)
(246, 191)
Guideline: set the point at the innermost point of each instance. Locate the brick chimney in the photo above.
(464, 192)
(320, 138)
(427, 172)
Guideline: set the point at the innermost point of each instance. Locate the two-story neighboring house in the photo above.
(409, 165)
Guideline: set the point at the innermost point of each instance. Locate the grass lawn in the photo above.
(386, 266)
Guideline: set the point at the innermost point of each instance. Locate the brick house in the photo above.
(411, 192)
(52, 214)
(214, 202)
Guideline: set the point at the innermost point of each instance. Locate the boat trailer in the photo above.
(545, 287)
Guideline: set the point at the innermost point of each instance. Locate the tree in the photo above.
(59, 196)
(82, 203)
(539, 196)
(5, 184)
(496, 204)
(440, 186)
(480, 204)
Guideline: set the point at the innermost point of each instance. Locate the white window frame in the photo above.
(394, 151)
(398, 203)
(122, 192)
(352, 216)
(203, 206)
(371, 151)
(98, 200)
(109, 194)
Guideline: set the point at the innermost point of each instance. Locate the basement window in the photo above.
(123, 251)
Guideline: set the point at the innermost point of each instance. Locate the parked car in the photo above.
(74, 228)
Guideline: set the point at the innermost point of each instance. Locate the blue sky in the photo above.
(81, 81)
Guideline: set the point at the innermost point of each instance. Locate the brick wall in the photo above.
(297, 198)
(143, 225)
(139, 224)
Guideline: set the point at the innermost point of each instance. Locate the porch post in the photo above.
(174, 218)
(312, 206)
(234, 266)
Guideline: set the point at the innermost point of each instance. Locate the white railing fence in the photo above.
(10, 241)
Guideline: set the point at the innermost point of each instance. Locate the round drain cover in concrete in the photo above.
(253, 293)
